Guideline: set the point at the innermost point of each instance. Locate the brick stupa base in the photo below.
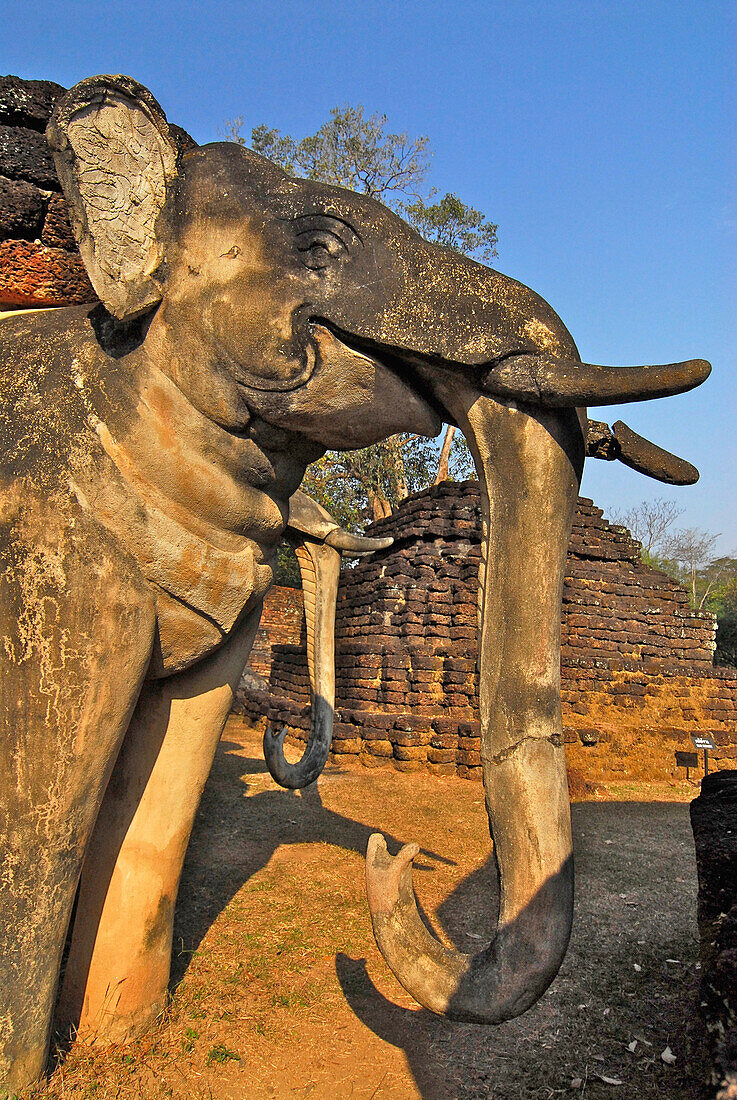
(636, 661)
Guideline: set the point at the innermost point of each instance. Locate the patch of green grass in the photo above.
(261, 885)
(236, 976)
(289, 1000)
(190, 1034)
(220, 1053)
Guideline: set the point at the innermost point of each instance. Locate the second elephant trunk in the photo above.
(319, 565)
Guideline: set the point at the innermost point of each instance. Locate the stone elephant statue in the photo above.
(150, 446)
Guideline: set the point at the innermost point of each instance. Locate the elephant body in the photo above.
(150, 447)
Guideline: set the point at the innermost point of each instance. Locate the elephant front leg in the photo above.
(117, 975)
(76, 636)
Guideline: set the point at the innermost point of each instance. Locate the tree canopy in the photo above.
(686, 554)
(358, 152)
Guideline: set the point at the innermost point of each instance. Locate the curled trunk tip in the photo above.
(314, 758)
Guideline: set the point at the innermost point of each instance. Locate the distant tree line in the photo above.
(686, 554)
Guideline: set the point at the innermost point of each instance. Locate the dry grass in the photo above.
(279, 991)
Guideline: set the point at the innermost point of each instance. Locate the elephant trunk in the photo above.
(319, 564)
(529, 465)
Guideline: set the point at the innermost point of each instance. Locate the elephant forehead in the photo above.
(218, 245)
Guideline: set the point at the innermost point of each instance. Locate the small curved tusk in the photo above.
(647, 458)
(356, 544)
(633, 450)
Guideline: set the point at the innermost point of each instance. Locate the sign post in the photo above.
(687, 760)
(704, 742)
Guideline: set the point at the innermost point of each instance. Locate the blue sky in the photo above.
(600, 136)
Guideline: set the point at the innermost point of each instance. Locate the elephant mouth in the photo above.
(414, 370)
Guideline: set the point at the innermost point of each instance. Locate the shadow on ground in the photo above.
(628, 977)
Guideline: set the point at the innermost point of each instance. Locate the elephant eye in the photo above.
(319, 247)
(322, 240)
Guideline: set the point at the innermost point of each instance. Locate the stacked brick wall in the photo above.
(637, 672)
(282, 623)
(40, 265)
(39, 262)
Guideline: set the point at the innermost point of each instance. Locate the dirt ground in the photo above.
(279, 990)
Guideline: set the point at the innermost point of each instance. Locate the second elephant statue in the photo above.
(319, 543)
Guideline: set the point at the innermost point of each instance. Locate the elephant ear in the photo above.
(117, 160)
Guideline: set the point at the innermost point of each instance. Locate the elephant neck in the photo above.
(200, 508)
(223, 483)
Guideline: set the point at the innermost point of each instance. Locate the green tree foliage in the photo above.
(361, 486)
(350, 150)
(686, 554)
(726, 653)
(454, 225)
(287, 571)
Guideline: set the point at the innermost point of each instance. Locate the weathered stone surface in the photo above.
(22, 209)
(57, 229)
(714, 822)
(31, 274)
(184, 140)
(27, 102)
(25, 155)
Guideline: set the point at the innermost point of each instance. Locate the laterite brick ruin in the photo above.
(637, 662)
(39, 262)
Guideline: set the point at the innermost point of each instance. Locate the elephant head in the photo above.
(320, 316)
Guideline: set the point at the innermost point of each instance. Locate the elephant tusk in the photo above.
(564, 383)
(529, 465)
(319, 565)
(355, 544)
(620, 442)
(647, 458)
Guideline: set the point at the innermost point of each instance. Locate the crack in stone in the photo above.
(555, 739)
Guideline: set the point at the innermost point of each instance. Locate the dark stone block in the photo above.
(714, 823)
(25, 155)
(57, 229)
(22, 209)
(27, 102)
(412, 722)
